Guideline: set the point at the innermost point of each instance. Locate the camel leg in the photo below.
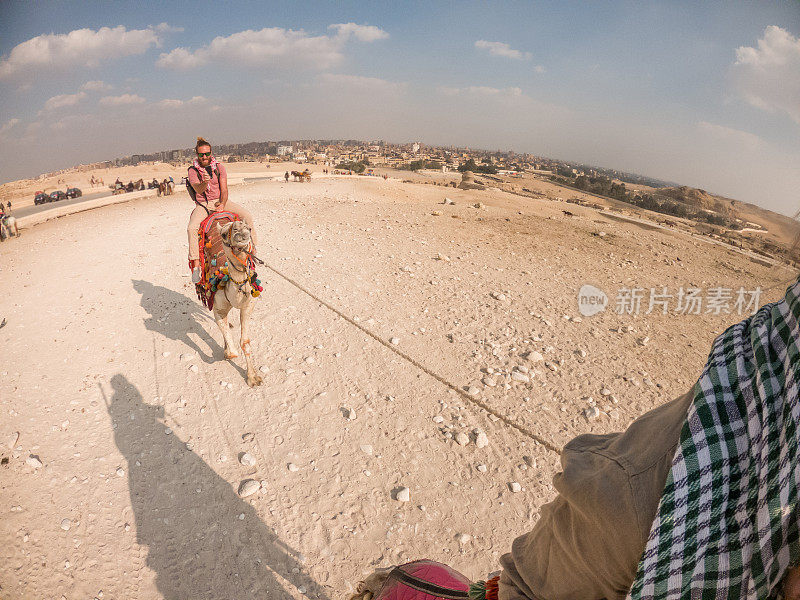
(253, 378)
(221, 310)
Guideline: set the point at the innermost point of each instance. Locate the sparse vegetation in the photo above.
(355, 167)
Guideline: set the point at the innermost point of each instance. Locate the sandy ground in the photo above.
(113, 377)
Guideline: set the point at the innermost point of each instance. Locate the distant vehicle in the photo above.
(57, 195)
(41, 198)
(74, 193)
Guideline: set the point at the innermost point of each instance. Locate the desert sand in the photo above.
(123, 428)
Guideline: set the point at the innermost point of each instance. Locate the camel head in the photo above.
(236, 233)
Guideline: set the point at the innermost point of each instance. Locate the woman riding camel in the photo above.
(698, 498)
(209, 179)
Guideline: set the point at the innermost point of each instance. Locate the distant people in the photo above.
(286, 176)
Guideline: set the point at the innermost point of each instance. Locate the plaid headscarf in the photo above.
(727, 522)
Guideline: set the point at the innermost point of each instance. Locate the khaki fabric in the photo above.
(199, 215)
(588, 541)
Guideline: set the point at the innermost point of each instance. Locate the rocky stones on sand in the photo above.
(498, 296)
(394, 341)
(436, 213)
(438, 419)
(605, 392)
(247, 459)
(473, 391)
(514, 487)
(462, 439)
(403, 494)
(33, 461)
(13, 439)
(482, 468)
(366, 449)
(120, 472)
(533, 356)
(293, 467)
(591, 413)
(349, 413)
(194, 369)
(520, 376)
(66, 524)
(489, 381)
(448, 201)
(263, 368)
(644, 341)
(481, 440)
(463, 538)
(248, 437)
(248, 487)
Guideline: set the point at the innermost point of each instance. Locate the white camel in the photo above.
(236, 292)
(8, 228)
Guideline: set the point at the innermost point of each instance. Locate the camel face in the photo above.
(236, 233)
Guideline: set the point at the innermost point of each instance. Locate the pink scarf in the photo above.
(214, 165)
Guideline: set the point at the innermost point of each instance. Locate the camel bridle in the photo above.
(246, 270)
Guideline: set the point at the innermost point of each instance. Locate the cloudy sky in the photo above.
(705, 94)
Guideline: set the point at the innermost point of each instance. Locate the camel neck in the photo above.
(235, 268)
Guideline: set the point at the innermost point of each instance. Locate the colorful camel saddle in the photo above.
(213, 262)
(431, 580)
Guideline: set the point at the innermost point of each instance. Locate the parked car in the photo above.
(57, 195)
(41, 198)
(74, 193)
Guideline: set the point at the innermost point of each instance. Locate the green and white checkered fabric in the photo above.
(727, 522)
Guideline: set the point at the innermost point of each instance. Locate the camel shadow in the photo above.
(203, 541)
(175, 316)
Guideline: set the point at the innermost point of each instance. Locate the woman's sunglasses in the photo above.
(204, 154)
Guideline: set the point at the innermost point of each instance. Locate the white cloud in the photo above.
(730, 135)
(96, 86)
(79, 47)
(8, 125)
(172, 103)
(64, 100)
(502, 49)
(273, 46)
(364, 84)
(121, 100)
(480, 90)
(70, 121)
(768, 77)
(363, 33)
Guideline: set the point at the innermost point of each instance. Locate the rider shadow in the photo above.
(175, 316)
(190, 519)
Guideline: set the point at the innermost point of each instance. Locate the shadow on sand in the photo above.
(175, 316)
(188, 517)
